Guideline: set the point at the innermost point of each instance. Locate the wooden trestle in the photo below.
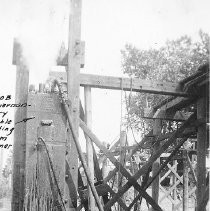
(191, 91)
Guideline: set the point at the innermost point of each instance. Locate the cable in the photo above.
(53, 172)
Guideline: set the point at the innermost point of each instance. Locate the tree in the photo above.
(8, 167)
(176, 60)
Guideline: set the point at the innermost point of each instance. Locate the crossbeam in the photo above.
(143, 170)
(127, 84)
(122, 170)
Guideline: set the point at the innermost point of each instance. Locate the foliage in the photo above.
(8, 167)
(173, 62)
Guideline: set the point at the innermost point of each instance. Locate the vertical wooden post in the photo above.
(89, 148)
(121, 159)
(201, 152)
(155, 185)
(174, 182)
(185, 181)
(104, 168)
(73, 85)
(19, 146)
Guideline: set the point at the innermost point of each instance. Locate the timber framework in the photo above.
(51, 171)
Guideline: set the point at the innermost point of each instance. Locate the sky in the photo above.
(107, 25)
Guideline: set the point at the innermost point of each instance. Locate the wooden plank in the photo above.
(118, 83)
(155, 166)
(185, 181)
(101, 189)
(122, 161)
(73, 85)
(165, 175)
(201, 151)
(167, 193)
(19, 145)
(120, 168)
(191, 169)
(160, 169)
(120, 201)
(175, 173)
(89, 148)
(145, 168)
(97, 170)
(160, 137)
(62, 59)
(205, 200)
(176, 104)
(174, 192)
(134, 150)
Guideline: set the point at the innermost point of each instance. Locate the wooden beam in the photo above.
(191, 169)
(134, 150)
(174, 192)
(160, 137)
(155, 166)
(122, 161)
(120, 168)
(127, 84)
(201, 152)
(185, 181)
(160, 169)
(176, 104)
(97, 170)
(19, 146)
(145, 168)
(72, 79)
(89, 148)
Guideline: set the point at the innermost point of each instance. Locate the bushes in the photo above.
(5, 190)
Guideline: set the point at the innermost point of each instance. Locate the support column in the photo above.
(122, 157)
(201, 152)
(19, 146)
(175, 189)
(185, 181)
(89, 148)
(155, 185)
(73, 85)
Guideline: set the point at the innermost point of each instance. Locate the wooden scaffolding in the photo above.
(60, 158)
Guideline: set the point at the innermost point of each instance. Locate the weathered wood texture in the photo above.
(185, 181)
(89, 148)
(201, 152)
(144, 169)
(174, 192)
(127, 84)
(73, 74)
(155, 166)
(19, 153)
(160, 169)
(122, 161)
(120, 168)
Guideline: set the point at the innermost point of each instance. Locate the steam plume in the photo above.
(43, 27)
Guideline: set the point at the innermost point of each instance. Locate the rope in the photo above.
(128, 105)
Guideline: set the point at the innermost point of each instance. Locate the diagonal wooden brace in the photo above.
(131, 181)
(144, 169)
(114, 171)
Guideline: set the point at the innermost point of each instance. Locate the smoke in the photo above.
(43, 26)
